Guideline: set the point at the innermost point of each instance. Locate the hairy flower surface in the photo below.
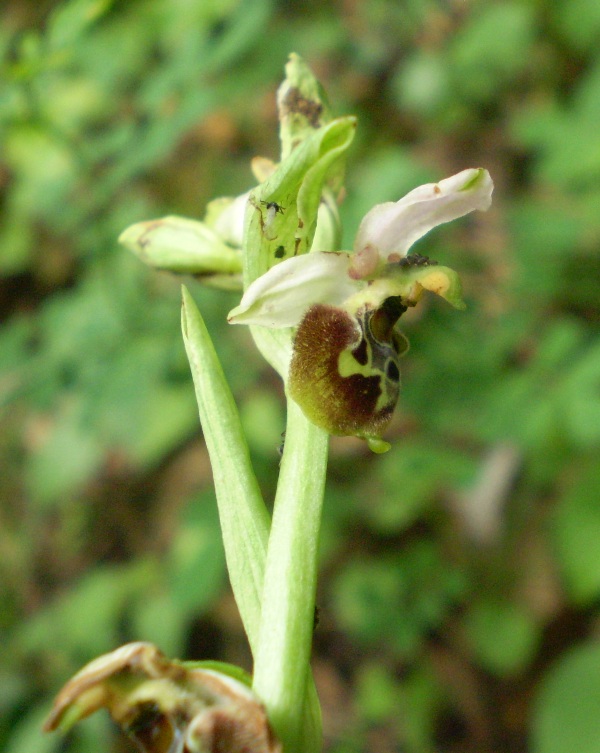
(344, 372)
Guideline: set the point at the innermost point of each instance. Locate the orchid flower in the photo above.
(344, 370)
(331, 318)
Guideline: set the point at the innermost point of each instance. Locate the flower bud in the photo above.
(186, 247)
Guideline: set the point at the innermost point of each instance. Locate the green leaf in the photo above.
(565, 717)
(244, 517)
(502, 635)
(575, 532)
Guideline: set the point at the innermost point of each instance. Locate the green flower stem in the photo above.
(281, 669)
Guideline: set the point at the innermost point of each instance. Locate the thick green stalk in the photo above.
(281, 667)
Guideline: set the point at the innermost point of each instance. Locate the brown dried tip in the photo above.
(166, 707)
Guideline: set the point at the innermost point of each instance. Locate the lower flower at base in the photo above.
(167, 706)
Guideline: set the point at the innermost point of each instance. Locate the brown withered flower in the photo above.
(167, 706)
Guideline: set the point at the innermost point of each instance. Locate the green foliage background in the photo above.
(459, 596)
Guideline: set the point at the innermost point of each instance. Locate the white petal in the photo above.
(282, 295)
(393, 227)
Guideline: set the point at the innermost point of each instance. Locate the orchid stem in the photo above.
(281, 668)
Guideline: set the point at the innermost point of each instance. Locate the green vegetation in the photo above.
(460, 573)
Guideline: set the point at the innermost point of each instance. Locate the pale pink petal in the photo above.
(393, 227)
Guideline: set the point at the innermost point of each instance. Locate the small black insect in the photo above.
(273, 207)
(416, 260)
(316, 618)
(281, 446)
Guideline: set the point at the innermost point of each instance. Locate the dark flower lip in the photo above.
(166, 706)
(344, 372)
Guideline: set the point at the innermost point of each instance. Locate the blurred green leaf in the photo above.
(503, 636)
(196, 569)
(578, 23)
(84, 621)
(66, 456)
(191, 578)
(423, 83)
(397, 599)
(28, 735)
(565, 716)
(410, 478)
(575, 531)
(488, 51)
(582, 398)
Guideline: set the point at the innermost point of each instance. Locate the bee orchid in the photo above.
(344, 371)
